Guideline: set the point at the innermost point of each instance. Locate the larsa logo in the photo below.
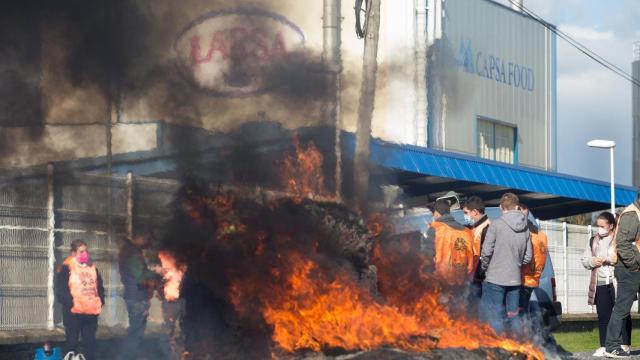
(227, 52)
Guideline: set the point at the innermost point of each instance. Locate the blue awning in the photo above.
(426, 174)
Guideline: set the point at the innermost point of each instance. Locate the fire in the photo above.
(282, 265)
(172, 275)
(316, 313)
(302, 174)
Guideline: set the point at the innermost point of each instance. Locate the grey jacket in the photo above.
(506, 248)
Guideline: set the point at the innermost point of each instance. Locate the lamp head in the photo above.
(602, 144)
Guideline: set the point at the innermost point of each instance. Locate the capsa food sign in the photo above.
(228, 52)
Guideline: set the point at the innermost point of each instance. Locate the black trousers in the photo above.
(78, 326)
(620, 320)
(605, 300)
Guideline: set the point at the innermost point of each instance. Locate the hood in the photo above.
(515, 220)
(451, 221)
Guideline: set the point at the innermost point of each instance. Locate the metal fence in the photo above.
(566, 244)
(41, 215)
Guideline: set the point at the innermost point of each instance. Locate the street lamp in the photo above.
(607, 144)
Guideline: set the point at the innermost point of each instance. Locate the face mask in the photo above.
(468, 220)
(603, 232)
(83, 258)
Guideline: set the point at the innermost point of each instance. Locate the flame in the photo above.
(312, 301)
(316, 313)
(172, 275)
(302, 173)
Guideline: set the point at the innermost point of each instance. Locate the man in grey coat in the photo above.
(505, 249)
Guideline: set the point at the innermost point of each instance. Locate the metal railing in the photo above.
(566, 245)
(41, 215)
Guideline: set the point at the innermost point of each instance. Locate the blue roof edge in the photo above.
(555, 183)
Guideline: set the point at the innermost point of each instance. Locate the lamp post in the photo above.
(608, 144)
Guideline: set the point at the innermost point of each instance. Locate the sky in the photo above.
(593, 102)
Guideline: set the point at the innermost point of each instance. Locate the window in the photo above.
(496, 141)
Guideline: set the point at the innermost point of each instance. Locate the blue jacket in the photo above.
(55, 354)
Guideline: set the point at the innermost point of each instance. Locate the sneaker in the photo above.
(625, 348)
(600, 352)
(70, 356)
(617, 353)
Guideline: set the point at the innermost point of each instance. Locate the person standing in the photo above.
(532, 271)
(474, 213)
(505, 250)
(599, 257)
(139, 284)
(627, 274)
(452, 244)
(78, 287)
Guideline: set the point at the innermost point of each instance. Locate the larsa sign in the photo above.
(228, 52)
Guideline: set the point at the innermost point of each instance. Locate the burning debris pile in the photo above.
(281, 275)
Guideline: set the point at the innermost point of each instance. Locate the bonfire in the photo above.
(295, 273)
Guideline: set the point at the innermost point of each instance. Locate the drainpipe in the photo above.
(331, 57)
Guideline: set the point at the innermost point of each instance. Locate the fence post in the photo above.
(565, 275)
(130, 204)
(50, 246)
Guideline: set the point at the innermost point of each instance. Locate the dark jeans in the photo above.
(499, 307)
(628, 286)
(138, 311)
(76, 326)
(605, 300)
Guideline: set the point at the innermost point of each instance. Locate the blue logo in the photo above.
(491, 67)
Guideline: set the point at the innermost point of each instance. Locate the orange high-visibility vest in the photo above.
(532, 271)
(454, 253)
(83, 285)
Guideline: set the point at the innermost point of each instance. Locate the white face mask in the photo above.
(603, 232)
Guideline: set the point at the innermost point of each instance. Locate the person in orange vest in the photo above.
(532, 271)
(452, 244)
(78, 287)
(478, 222)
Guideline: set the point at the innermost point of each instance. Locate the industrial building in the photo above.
(106, 108)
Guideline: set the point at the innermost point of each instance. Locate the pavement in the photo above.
(635, 354)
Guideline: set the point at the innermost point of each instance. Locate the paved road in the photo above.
(635, 354)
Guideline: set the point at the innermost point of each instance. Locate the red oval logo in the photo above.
(226, 52)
